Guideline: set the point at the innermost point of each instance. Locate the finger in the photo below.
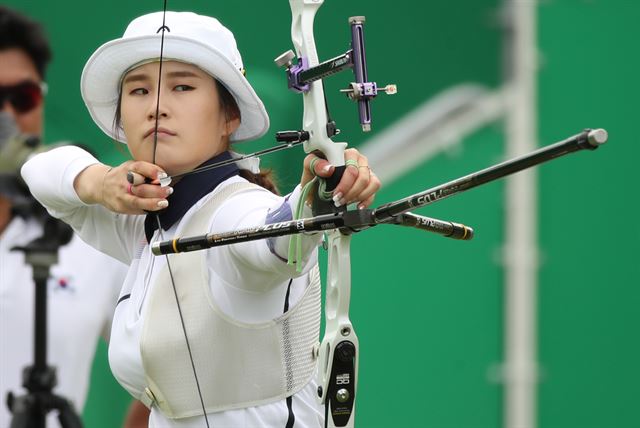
(361, 183)
(147, 170)
(135, 178)
(368, 195)
(367, 202)
(321, 167)
(313, 166)
(349, 177)
(148, 204)
(150, 191)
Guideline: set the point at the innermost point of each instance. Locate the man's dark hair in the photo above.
(19, 32)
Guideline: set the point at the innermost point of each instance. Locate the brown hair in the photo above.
(232, 111)
(265, 178)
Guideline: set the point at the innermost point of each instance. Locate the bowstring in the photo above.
(157, 216)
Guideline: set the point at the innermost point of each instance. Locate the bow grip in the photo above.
(323, 197)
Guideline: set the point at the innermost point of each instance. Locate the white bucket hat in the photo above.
(195, 39)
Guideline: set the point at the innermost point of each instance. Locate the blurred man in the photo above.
(83, 286)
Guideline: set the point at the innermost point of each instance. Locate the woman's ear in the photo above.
(231, 126)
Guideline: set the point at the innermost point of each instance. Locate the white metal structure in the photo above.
(521, 226)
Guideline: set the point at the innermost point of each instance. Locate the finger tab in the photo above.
(135, 178)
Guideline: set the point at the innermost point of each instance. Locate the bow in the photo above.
(339, 350)
(338, 356)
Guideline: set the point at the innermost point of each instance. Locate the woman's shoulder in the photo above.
(241, 202)
(238, 188)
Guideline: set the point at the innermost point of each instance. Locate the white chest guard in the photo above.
(238, 364)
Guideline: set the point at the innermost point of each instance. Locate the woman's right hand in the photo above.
(108, 186)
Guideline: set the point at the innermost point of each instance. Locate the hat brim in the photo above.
(101, 76)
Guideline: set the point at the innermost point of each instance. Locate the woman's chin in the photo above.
(172, 168)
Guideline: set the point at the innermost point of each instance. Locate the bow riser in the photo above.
(314, 118)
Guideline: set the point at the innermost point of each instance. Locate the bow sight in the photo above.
(300, 75)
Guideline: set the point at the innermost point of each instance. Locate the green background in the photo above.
(428, 311)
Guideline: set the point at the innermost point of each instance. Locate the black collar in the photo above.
(189, 190)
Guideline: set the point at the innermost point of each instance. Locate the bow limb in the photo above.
(338, 357)
(338, 354)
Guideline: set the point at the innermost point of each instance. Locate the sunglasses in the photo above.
(24, 96)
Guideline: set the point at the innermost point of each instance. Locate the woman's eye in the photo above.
(139, 91)
(183, 88)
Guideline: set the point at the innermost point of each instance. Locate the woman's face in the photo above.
(192, 127)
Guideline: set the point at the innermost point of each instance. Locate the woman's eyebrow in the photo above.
(182, 73)
(135, 78)
(141, 77)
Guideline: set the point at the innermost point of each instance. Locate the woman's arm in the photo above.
(52, 178)
(267, 259)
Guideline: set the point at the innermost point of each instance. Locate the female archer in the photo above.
(237, 349)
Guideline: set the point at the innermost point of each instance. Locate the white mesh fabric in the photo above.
(299, 336)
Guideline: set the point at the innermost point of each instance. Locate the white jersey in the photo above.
(82, 294)
(249, 281)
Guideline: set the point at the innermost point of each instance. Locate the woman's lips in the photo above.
(162, 132)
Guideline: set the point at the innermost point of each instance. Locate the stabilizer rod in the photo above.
(586, 140)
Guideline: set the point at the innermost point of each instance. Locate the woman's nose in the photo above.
(157, 108)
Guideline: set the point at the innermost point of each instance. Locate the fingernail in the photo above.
(327, 168)
(337, 203)
(361, 207)
(163, 203)
(162, 175)
(169, 190)
(337, 197)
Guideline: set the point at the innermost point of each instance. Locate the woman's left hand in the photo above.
(358, 183)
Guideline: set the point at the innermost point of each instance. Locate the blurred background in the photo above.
(535, 322)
